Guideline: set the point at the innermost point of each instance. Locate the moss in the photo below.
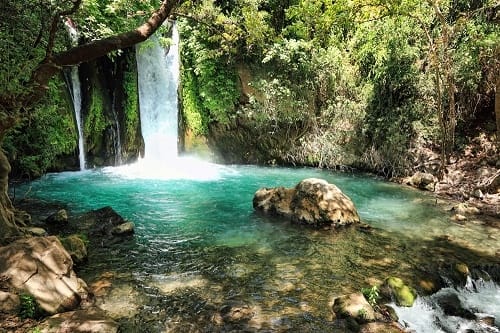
(95, 122)
(405, 295)
(36, 145)
(196, 120)
(131, 106)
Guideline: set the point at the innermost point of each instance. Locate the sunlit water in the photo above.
(202, 260)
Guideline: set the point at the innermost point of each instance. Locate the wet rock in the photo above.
(76, 248)
(313, 202)
(9, 302)
(395, 288)
(41, 267)
(57, 218)
(123, 229)
(486, 319)
(354, 306)
(105, 222)
(92, 320)
(452, 306)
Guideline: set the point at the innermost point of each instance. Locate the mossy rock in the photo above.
(76, 247)
(403, 294)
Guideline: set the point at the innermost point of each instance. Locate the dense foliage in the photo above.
(341, 83)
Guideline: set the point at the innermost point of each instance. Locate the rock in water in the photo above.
(354, 306)
(313, 202)
(92, 320)
(41, 267)
(58, 218)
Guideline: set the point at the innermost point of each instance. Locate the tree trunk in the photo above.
(8, 228)
(497, 109)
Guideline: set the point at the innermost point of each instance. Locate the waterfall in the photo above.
(77, 105)
(158, 83)
(118, 141)
(76, 94)
(158, 75)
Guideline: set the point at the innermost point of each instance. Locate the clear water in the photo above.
(202, 260)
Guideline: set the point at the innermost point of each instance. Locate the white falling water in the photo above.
(158, 83)
(426, 316)
(76, 93)
(77, 104)
(158, 75)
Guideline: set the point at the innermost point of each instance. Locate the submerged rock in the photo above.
(92, 320)
(313, 202)
(41, 267)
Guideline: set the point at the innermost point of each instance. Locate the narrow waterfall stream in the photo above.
(76, 94)
(77, 105)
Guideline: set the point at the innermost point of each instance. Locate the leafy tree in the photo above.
(33, 52)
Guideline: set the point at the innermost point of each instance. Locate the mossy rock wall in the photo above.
(110, 109)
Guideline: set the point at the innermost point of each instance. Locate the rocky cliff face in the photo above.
(111, 111)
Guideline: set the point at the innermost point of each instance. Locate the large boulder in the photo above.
(41, 267)
(313, 202)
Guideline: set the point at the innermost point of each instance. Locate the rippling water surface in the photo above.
(202, 260)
